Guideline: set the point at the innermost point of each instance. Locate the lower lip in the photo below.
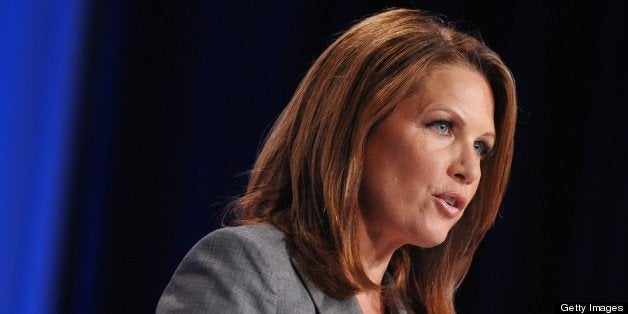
(448, 210)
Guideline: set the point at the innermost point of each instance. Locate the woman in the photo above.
(375, 185)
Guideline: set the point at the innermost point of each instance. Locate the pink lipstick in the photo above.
(451, 203)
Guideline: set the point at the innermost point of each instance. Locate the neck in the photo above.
(371, 302)
(375, 252)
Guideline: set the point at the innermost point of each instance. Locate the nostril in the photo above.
(460, 176)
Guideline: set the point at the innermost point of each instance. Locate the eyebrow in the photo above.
(490, 134)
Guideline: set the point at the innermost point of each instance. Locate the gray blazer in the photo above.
(245, 269)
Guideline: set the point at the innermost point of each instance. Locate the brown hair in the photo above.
(307, 176)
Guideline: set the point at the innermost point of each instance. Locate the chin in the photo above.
(429, 244)
(432, 239)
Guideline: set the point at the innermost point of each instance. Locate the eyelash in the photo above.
(487, 151)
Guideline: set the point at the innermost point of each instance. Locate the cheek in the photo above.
(389, 165)
(410, 178)
(426, 163)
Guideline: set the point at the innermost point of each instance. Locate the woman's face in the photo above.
(422, 163)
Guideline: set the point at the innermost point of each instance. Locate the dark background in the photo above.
(176, 98)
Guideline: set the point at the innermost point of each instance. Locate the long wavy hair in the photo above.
(307, 175)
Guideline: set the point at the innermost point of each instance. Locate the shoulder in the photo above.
(233, 269)
(261, 246)
(260, 238)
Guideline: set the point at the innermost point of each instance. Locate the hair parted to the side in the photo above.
(307, 176)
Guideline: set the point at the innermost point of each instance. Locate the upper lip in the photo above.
(454, 199)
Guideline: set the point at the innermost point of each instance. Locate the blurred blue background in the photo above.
(126, 126)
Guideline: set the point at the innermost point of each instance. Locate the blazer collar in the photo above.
(323, 302)
(326, 304)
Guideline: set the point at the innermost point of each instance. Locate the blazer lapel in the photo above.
(324, 303)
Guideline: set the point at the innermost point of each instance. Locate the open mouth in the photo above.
(451, 203)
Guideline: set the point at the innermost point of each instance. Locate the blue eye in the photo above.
(442, 127)
(479, 147)
(482, 148)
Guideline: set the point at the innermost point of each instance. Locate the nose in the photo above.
(465, 167)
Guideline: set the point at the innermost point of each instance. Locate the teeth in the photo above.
(450, 201)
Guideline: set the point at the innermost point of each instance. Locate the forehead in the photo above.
(450, 72)
(457, 88)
